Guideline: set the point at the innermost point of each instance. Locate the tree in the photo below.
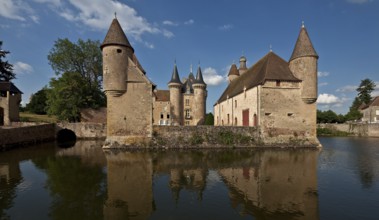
(329, 117)
(67, 95)
(354, 113)
(6, 69)
(209, 119)
(38, 101)
(364, 90)
(79, 86)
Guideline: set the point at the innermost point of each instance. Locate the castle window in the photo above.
(119, 51)
(188, 113)
(168, 116)
(187, 122)
(278, 83)
(267, 113)
(161, 116)
(228, 119)
(235, 121)
(187, 102)
(290, 114)
(235, 103)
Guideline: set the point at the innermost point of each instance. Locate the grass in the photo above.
(331, 132)
(31, 117)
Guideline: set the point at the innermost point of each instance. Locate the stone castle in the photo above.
(10, 99)
(133, 103)
(276, 96)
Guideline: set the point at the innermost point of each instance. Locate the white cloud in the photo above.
(327, 99)
(348, 88)
(169, 23)
(226, 27)
(16, 10)
(22, 68)
(359, 1)
(189, 22)
(211, 77)
(149, 45)
(322, 74)
(97, 14)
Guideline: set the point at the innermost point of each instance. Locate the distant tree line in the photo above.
(363, 98)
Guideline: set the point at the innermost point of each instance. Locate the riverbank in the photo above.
(348, 129)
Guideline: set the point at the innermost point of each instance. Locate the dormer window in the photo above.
(277, 83)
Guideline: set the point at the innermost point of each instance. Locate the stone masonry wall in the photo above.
(25, 135)
(365, 130)
(85, 130)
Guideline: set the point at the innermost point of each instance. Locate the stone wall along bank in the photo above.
(364, 130)
(85, 130)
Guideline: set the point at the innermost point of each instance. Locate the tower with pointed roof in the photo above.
(233, 73)
(200, 96)
(176, 101)
(129, 92)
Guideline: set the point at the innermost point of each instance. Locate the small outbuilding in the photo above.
(10, 99)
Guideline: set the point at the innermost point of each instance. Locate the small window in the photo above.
(168, 116)
(235, 103)
(235, 121)
(119, 51)
(290, 114)
(161, 116)
(187, 102)
(278, 83)
(267, 113)
(228, 118)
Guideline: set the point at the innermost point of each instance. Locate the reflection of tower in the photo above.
(191, 179)
(130, 193)
(283, 184)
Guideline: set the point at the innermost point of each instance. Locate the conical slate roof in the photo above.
(233, 70)
(116, 36)
(175, 76)
(303, 46)
(199, 77)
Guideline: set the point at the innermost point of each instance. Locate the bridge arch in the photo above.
(66, 138)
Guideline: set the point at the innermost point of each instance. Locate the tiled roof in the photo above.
(175, 76)
(270, 67)
(162, 95)
(374, 102)
(116, 36)
(233, 70)
(8, 86)
(303, 46)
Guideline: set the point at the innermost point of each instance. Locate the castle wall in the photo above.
(235, 106)
(199, 104)
(284, 116)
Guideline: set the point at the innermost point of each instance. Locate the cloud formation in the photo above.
(189, 22)
(22, 68)
(348, 88)
(211, 77)
(327, 99)
(225, 27)
(322, 74)
(17, 10)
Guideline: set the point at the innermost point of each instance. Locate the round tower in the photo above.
(303, 63)
(116, 50)
(200, 96)
(243, 67)
(176, 102)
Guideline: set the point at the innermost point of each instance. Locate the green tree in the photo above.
(38, 101)
(6, 69)
(364, 91)
(67, 95)
(209, 119)
(329, 117)
(354, 113)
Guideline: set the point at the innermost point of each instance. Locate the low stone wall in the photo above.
(364, 130)
(25, 135)
(204, 136)
(85, 130)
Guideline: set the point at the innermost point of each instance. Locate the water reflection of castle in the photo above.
(266, 184)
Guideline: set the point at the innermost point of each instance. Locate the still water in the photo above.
(84, 182)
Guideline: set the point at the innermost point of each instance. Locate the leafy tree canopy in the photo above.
(209, 119)
(364, 91)
(6, 69)
(37, 102)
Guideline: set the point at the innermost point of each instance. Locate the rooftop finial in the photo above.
(302, 24)
(191, 68)
(199, 62)
(243, 53)
(175, 61)
(270, 48)
(115, 15)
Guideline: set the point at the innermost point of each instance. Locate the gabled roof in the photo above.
(162, 95)
(116, 36)
(233, 70)
(175, 76)
(270, 67)
(374, 102)
(187, 84)
(303, 46)
(8, 86)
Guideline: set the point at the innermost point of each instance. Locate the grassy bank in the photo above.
(31, 117)
(331, 132)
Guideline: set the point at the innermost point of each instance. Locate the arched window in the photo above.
(235, 121)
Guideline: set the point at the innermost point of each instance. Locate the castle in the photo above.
(276, 96)
(10, 99)
(134, 104)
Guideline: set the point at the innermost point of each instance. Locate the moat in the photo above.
(340, 181)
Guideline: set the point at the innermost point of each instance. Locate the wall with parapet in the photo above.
(365, 130)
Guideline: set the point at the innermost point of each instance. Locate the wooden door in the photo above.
(245, 117)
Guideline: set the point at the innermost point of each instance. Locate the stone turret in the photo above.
(175, 86)
(243, 67)
(303, 63)
(233, 73)
(200, 95)
(116, 51)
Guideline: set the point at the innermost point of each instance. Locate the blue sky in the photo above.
(345, 34)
